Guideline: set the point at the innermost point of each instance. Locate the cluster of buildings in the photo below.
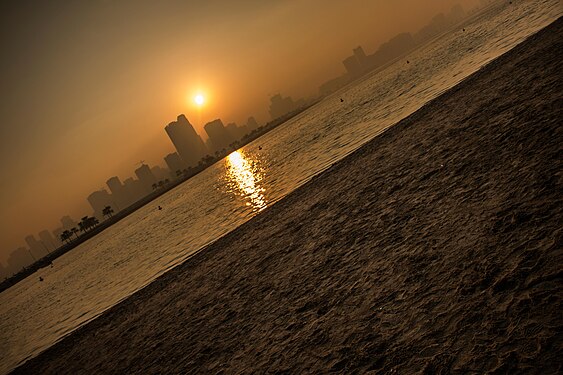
(191, 152)
(279, 105)
(359, 63)
(36, 248)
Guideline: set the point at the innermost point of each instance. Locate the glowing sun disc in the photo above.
(199, 99)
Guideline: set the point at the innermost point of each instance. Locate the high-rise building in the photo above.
(218, 134)
(360, 56)
(252, 124)
(353, 66)
(68, 223)
(146, 177)
(160, 173)
(99, 200)
(47, 238)
(236, 132)
(37, 248)
(57, 234)
(187, 142)
(118, 193)
(280, 106)
(174, 163)
(19, 259)
(134, 189)
(115, 186)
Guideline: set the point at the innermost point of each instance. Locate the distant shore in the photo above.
(48, 259)
(434, 248)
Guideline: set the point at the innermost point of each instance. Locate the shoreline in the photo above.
(248, 138)
(48, 259)
(385, 261)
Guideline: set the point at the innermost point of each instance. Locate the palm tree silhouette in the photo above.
(65, 236)
(87, 223)
(107, 211)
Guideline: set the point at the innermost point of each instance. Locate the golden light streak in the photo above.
(245, 179)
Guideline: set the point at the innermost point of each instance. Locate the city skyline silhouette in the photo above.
(95, 121)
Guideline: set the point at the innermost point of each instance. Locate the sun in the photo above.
(199, 99)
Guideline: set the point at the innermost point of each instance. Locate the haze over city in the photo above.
(89, 86)
(288, 186)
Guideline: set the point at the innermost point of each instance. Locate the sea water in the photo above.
(129, 255)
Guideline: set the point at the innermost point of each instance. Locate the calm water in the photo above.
(124, 258)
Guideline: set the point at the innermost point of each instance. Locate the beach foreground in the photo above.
(435, 248)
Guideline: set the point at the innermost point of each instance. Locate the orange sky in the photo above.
(88, 86)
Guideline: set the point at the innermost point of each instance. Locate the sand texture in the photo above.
(436, 248)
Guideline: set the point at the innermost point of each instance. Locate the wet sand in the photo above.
(435, 248)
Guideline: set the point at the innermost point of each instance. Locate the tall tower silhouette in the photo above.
(220, 137)
(187, 142)
(146, 177)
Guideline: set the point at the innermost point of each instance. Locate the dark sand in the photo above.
(436, 248)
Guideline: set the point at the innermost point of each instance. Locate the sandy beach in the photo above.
(436, 248)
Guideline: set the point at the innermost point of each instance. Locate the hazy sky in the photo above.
(88, 86)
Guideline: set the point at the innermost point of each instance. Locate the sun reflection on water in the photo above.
(244, 179)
